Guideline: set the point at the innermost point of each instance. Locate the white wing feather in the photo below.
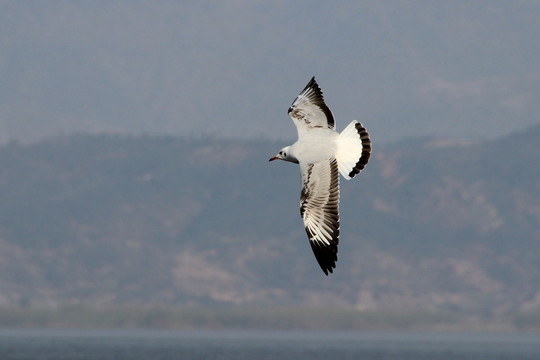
(310, 111)
(319, 207)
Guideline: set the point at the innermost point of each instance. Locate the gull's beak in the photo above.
(273, 158)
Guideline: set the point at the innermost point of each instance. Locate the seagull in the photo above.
(322, 153)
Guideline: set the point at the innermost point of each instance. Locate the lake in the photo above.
(22, 344)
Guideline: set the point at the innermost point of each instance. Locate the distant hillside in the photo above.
(431, 225)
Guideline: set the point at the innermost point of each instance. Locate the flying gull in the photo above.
(321, 153)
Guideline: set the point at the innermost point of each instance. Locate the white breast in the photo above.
(321, 144)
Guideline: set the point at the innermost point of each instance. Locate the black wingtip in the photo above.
(326, 256)
(313, 84)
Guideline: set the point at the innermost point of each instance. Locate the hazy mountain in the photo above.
(430, 224)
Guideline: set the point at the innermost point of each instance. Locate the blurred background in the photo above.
(134, 173)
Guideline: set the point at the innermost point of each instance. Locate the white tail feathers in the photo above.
(353, 150)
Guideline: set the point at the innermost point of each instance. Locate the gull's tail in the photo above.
(353, 150)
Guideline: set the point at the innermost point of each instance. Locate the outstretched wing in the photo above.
(319, 207)
(309, 109)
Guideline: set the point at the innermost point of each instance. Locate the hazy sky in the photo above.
(231, 68)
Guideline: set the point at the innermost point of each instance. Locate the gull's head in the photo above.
(285, 155)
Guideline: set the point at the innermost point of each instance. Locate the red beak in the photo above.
(273, 158)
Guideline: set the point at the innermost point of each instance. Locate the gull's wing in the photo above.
(309, 110)
(319, 203)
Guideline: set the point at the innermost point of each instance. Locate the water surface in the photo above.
(242, 344)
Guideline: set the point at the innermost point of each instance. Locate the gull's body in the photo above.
(322, 153)
(325, 149)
